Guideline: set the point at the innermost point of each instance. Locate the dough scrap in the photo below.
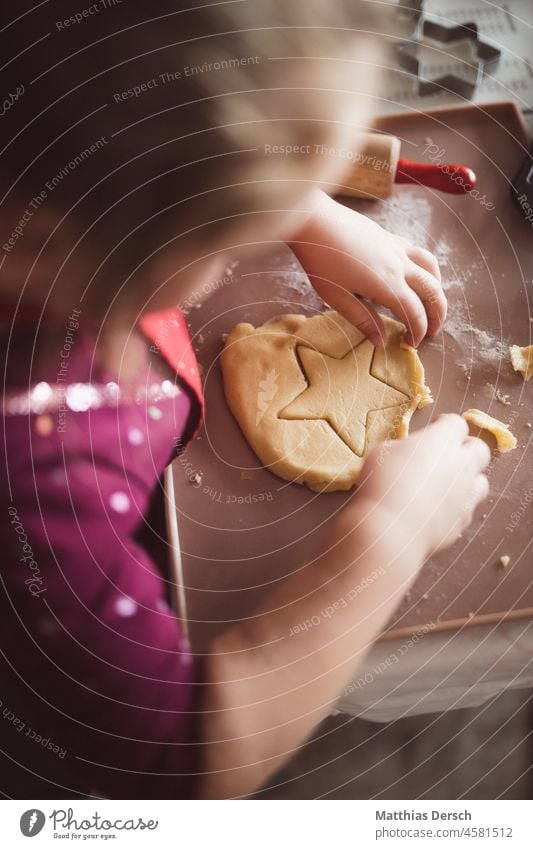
(313, 395)
(505, 440)
(522, 360)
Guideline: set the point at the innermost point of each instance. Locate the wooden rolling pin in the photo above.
(378, 166)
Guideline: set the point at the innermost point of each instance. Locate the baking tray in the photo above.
(242, 529)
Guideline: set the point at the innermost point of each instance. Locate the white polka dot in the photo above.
(125, 606)
(155, 413)
(162, 605)
(119, 502)
(135, 436)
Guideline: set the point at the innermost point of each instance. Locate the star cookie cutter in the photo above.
(483, 57)
(408, 14)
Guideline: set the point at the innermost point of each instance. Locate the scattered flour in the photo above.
(290, 275)
(411, 217)
(474, 342)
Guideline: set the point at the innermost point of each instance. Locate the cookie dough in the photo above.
(522, 360)
(505, 440)
(313, 395)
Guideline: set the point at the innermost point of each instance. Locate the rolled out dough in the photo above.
(313, 396)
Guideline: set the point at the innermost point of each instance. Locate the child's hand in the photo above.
(424, 489)
(346, 254)
(269, 689)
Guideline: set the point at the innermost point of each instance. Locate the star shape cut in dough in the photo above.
(342, 392)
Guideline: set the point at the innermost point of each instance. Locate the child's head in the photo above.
(142, 137)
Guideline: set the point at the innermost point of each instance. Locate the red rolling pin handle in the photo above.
(454, 179)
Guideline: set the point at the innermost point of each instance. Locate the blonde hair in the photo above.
(149, 122)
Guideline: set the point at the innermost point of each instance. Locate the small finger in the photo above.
(479, 492)
(444, 432)
(407, 305)
(356, 310)
(479, 451)
(430, 292)
(456, 425)
(425, 259)
(481, 488)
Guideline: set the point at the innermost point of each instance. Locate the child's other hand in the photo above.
(422, 491)
(346, 254)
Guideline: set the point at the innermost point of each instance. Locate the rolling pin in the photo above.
(378, 166)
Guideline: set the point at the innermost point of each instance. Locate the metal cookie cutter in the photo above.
(477, 58)
(407, 19)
